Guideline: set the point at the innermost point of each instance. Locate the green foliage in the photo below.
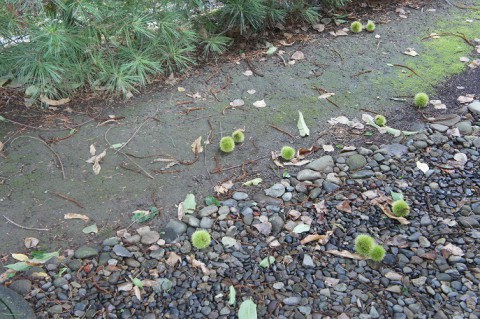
(141, 216)
(356, 27)
(400, 208)
(364, 244)
(421, 100)
(370, 27)
(380, 120)
(238, 136)
(287, 153)
(377, 253)
(201, 239)
(243, 15)
(215, 45)
(227, 144)
(210, 200)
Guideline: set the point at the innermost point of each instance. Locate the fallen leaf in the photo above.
(422, 166)
(181, 89)
(248, 73)
(338, 33)
(449, 222)
(275, 159)
(475, 64)
(271, 50)
(230, 242)
(301, 228)
(464, 59)
(96, 161)
(237, 103)
(302, 127)
(20, 257)
(386, 211)
(224, 187)
(251, 92)
(247, 310)
(31, 242)
(297, 55)
(189, 204)
(267, 261)
(199, 264)
(328, 148)
(260, 103)
(285, 43)
(326, 95)
(410, 52)
(467, 98)
(197, 147)
(265, 227)
(346, 254)
(344, 206)
(173, 259)
(232, 295)
(48, 101)
(345, 121)
(321, 239)
(93, 150)
(296, 162)
(126, 286)
(400, 241)
(331, 282)
(90, 229)
(253, 182)
(76, 216)
(136, 291)
(318, 27)
(454, 250)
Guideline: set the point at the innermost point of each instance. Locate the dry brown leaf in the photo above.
(452, 249)
(48, 101)
(321, 239)
(386, 211)
(199, 264)
(346, 254)
(31, 242)
(296, 162)
(173, 259)
(224, 187)
(136, 291)
(297, 55)
(1, 146)
(96, 161)
(197, 147)
(399, 241)
(76, 216)
(180, 211)
(285, 43)
(344, 206)
(276, 160)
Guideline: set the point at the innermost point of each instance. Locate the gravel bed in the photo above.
(431, 270)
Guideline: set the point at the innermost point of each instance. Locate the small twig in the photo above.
(398, 99)
(69, 199)
(252, 68)
(459, 34)
(338, 53)
(191, 109)
(408, 68)
(361, 73)
(214, 94)
(24, 227)
(184, 103)
(282, 131)
(219, 169)
(212, 75)
(329, 100)
(58, 139)
(49, 147)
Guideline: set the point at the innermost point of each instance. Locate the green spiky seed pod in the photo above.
(238, 136)
(380, 120)
(400, 208)
(377, 253)
(363, 244)
(356, 27)
(288, 153)
(370, 27)
(421, 100)
(201, 239)
(227, 144)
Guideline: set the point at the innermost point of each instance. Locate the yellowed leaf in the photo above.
(197, 147)
(20, 257)
(76, 216)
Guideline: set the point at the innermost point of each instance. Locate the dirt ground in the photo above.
(365, 72)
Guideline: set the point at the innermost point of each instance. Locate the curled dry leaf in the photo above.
(338, 33)
(76, 216)
(297, 55)
(318, 27)
(96, 161)
(198, 264)
(275, 159)
(410, 52)
(346, 254)
(197, 146)
(326, 95)
(467, 98)
(251, 92)
(248, 73)
(302, 127)
(328, 148)
(386, 211)
(31, 242)
(93, 150)
(237, 103)
(48, 101)
(321, 239)
(224, 187)
(450, 249)
(423, 166)
(344, 206)
(173, 259)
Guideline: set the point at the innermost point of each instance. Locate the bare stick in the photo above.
(49, 147)
(23, 227)
(282, 131)
(136, 131)
(69, 199)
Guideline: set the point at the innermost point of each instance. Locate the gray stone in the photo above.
(439, 127)
(57, 309)
(134, 239)
(173, 230)
(121, 251)
(21, 286)
(474, 107)
(308, 261)
(468, 222)
(206, 223)
(419, 282)
(329, 187)
(277, 223)
(451, 119)
(276, 190)
(112, 241)
(323, 164)
(186, 247)
(292, 301)
(59, 282)
(85, 252)
(362, 174)
(240, 196)
(308, 175)
(356, 162)
(425, 220)
(207, 211)
(192, 220)
(395, 149)
(465, 127)
(263, 200)
(132, 263)
(287, 197)
(150, 237)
